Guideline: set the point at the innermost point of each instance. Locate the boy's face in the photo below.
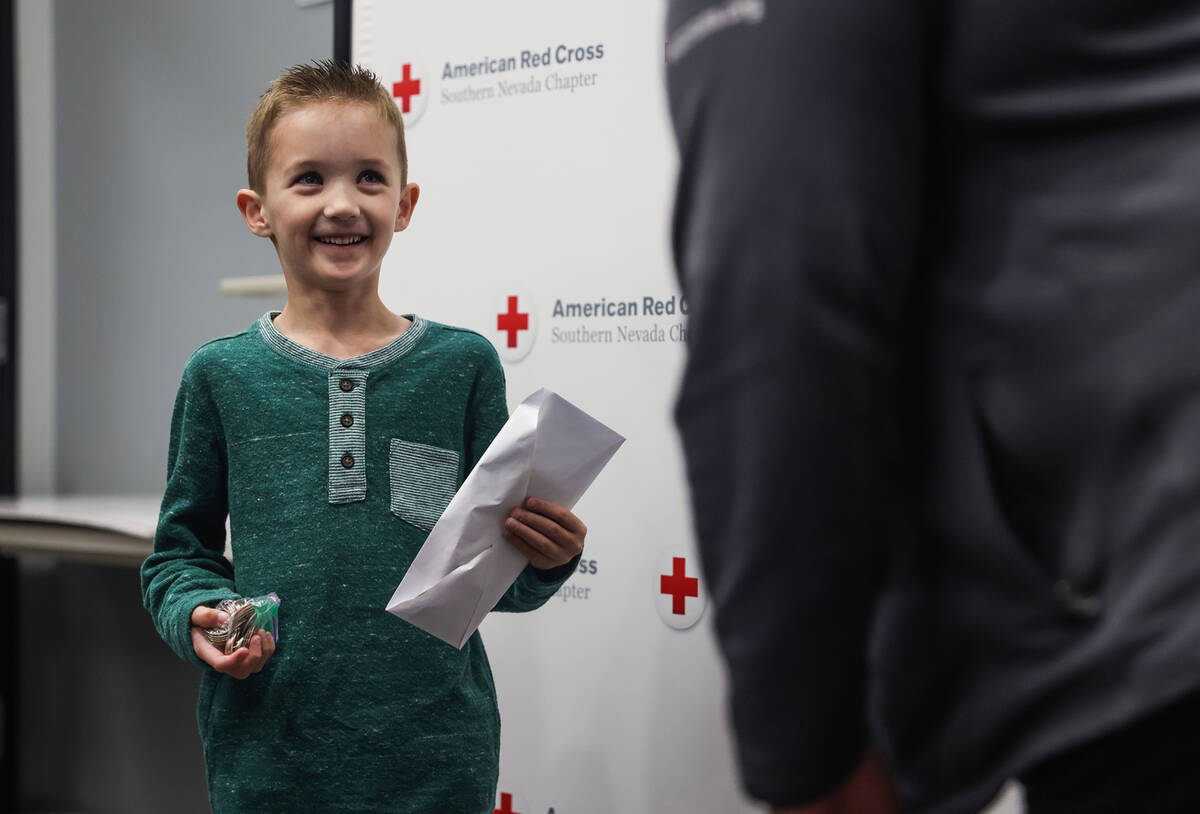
(332, 196)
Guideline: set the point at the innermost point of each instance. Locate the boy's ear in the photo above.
(249, 203)
(408, 202)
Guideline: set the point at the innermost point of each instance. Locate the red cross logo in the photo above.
(505, 804)
(679, 586)
(512, 322)
(406, 89)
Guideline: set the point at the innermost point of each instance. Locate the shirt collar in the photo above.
(376, 358)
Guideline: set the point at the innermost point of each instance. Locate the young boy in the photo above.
(333, 434)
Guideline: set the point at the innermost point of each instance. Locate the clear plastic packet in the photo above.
(247, 616)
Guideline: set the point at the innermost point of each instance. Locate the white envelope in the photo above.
(549, 448)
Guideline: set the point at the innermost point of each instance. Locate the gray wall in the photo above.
(150, 102)
(152, 98)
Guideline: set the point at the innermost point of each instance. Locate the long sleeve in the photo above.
(188, 566)
(800, 129)
(532, 587)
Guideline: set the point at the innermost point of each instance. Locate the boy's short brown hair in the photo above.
(322, 81)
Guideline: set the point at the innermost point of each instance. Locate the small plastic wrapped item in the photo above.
(246, 617)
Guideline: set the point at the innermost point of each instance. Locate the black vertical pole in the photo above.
(341, 29)
(9, 678)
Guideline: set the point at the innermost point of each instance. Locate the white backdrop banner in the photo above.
(538, 132)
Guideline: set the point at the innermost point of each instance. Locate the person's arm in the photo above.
(188, 567)
(801, 135)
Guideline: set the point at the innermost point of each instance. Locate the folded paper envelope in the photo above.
(549, 448)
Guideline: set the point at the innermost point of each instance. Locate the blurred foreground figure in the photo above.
(942, 404)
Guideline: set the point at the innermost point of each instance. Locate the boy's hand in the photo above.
(546, 533)
(243, 661)
(870, 790)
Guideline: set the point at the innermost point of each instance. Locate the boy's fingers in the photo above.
(240, 664)
(564, 517)
(533, 538)
(547, 527)
(214, 657)
(546, 535)
(535, 557)
(254, 661)
(540, 552)
(255, 655)
(204, 616)
(204, 648)
(236, 664)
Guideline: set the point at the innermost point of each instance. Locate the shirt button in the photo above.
(348, 461)
(347, 420)
(347, 385)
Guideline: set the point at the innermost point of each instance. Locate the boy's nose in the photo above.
(340, 203)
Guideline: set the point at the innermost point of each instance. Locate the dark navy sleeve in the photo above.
(801, 134)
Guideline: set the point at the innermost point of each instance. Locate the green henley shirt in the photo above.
(331, 473)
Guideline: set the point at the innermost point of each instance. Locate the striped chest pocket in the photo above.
(423, 479)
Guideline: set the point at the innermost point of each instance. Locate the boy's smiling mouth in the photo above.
(340, 240)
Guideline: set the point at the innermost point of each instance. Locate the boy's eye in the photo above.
(370, 177)
(309, 177)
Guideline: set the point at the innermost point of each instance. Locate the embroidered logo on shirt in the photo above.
(712, 20)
